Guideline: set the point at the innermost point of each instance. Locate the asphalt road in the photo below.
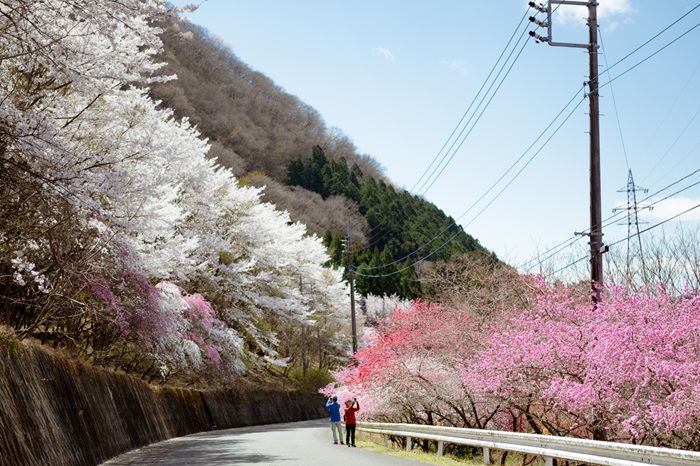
(300, 443)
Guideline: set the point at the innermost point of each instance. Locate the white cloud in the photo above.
(674, 206)
(455, 65)
(384, 53)
(614, 8)
(612, 26)
(609, 10)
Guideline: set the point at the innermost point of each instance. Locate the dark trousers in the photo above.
(350, 434)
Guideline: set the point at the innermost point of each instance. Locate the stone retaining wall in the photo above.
(54, 411)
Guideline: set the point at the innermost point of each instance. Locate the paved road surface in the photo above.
(301, 443)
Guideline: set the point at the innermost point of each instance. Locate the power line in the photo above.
(616, 215)
(653, 37)
(660, 223)
(650, 56)
(489, 190)
(526, 164)
(384, 231)
(522, 21)
(454, 152)
(617, 114)
(683, 131)
(569, 240)
(571, 264)
(670, 110)
(465, 136)
(554, 250)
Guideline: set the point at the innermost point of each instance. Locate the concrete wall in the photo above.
(55, 411)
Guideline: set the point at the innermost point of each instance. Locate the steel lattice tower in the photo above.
(633, 222)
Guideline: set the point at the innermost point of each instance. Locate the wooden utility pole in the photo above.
(351, 279)
(596, 228)
(597, 248)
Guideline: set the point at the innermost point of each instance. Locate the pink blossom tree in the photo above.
(409, 369)
(627, 370)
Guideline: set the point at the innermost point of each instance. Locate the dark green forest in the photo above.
(271, 139)
(403, 228)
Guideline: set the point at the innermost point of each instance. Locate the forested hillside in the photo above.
(403, 228)
(270, 138)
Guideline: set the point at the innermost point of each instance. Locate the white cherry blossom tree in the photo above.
(119, 238)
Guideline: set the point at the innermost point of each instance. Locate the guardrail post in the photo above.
(439, 452)
(386, 440)
(547, 460)
(408, 443)
(487, 455)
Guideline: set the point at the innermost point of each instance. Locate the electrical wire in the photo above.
(617, 114)
(649, 56)
(568, 242)
(683, 131)
(670, 110)
(454, 152)
(613, 218)
(463, 136)
(522, 21)
(659, 224)
(488, 191)
(648, 41)
(571, 264)
(384, 231)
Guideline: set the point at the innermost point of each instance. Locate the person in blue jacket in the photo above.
(334, 408)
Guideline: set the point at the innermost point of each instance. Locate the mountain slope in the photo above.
(270, 138)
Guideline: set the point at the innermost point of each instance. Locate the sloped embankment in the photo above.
(54, 411)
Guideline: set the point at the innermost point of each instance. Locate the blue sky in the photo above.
(397, 76)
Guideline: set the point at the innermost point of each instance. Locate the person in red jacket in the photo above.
(351, 407)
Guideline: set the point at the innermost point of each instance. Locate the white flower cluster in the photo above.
(24, 270)
(127, 184)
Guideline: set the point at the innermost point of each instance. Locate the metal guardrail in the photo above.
(546, 446)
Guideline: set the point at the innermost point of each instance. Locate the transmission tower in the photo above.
(633, 222)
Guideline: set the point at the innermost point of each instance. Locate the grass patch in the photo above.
(418, 455)
(513, 459)
(8, 344)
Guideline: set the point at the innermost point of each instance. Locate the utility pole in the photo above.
(596, 220)
(351, 279)
(596, 239)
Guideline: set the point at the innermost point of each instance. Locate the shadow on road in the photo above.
(306, 443)
(209, 448)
